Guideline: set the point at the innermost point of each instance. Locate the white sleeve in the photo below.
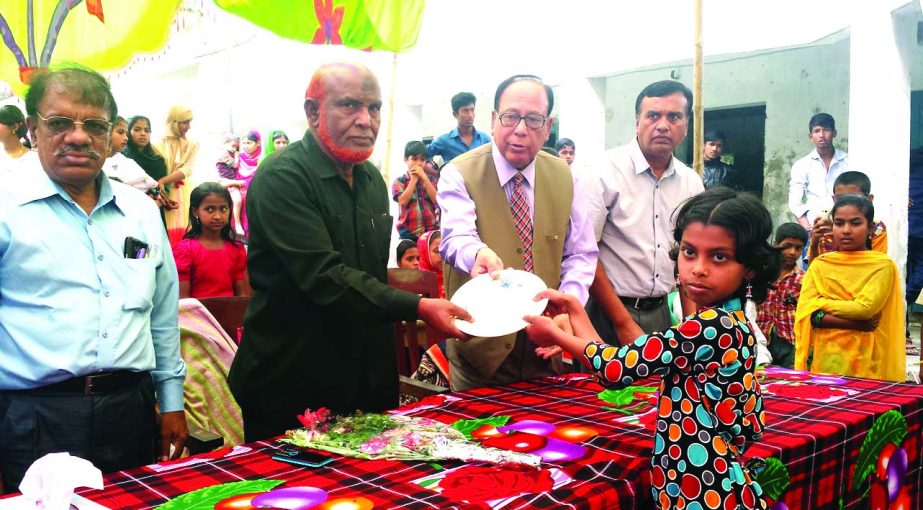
(762, 350)
(796, 188)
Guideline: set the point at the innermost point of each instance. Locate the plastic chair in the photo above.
(208, 352)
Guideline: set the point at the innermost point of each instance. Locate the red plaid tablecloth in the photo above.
(815, 430)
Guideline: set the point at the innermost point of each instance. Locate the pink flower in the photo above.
(314, 420)
(374, 445)
(411, 442)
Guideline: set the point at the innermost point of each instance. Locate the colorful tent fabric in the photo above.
(389, 25)
(100, 34)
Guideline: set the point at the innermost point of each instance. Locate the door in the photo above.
(745, 146)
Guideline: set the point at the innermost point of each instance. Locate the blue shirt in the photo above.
(451, 145)
(71, 303)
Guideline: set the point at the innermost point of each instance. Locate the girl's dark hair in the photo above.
(861, 202)
(11, 115)
(864, 205)
(134, 120)
(402, 248)
(194, 230)
(745, 218)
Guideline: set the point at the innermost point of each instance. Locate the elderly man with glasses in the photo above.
(507, 204)
(88, 297)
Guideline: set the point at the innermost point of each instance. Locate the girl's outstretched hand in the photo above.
(563, 323)
(548, 352)
(558, 302)
(542, 330)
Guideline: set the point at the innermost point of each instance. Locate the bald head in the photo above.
(328, 75)
(343, 107)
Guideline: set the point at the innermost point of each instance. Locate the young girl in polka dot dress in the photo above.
(709, 403)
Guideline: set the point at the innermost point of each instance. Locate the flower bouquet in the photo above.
(381, 436)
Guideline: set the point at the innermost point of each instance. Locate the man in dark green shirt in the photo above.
(318, 331)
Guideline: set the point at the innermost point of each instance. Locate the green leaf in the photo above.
(890, 427)
(773, 478)
(623, 396)
(207, 498)
(428, 482)
(466, 427)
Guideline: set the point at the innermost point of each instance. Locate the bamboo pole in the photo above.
(698, 109)
(390, 130)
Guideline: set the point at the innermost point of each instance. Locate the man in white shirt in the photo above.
(632, 194)
(811, 184)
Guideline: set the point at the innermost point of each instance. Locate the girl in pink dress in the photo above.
(209, 260)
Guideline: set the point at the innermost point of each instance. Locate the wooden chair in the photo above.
(408, 334)
(229, 312)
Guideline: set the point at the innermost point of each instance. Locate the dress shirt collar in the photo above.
(505, 171)
(475, 135)
(641, 165)
(35, 185)
(838, 155)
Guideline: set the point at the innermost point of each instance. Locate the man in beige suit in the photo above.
(507, 204)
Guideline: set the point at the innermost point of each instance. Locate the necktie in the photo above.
(520, 208)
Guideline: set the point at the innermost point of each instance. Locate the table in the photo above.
(816, 427)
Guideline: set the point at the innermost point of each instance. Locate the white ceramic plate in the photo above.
(497, 306)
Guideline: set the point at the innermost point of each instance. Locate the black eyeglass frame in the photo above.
(518, 118)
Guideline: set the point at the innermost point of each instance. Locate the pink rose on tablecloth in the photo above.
(484, 483)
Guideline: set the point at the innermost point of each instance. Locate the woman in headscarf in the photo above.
(13, 131)
(278, 140)
(179, 153)
(251, 148)
(140, 150)
(430, 259)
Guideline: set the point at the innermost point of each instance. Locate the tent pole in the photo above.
(388, 135)
(698, 110)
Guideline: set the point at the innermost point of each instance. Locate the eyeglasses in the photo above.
(58, 124)
(533, 120)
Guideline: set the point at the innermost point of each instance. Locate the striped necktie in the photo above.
(523, 220)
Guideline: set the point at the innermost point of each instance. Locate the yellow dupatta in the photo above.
(856, 285)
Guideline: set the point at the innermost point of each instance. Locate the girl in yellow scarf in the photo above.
(850, 311)
(179, 153)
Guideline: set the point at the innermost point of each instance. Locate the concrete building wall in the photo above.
(793, 83)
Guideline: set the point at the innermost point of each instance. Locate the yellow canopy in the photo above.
(100, 34)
